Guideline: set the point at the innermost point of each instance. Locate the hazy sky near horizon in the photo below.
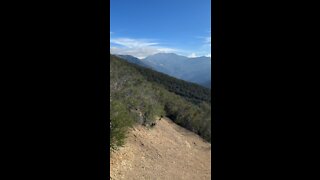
(145, 27)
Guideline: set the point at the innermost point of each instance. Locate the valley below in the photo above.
(166, 151)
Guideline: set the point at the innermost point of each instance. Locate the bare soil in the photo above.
(166, 151)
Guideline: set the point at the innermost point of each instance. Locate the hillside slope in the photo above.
(166, 151)
(139, 94)
(196, 70)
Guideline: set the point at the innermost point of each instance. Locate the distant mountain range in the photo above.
(133, 60)
(196, 70)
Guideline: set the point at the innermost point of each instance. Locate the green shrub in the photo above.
(120, 121)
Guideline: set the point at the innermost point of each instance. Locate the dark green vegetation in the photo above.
(138, 95)
(190, 91)
(120, 120)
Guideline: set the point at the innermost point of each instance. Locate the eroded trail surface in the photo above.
(166, 151)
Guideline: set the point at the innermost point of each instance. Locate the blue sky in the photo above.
(145, 27)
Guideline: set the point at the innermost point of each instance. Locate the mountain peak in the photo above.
(165, 54)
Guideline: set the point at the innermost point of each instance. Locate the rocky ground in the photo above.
(166, 151)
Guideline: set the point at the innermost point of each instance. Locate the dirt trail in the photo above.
(166, 151)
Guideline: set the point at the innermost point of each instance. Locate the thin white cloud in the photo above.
(140, 48)
(208, 41)
(207, 44)
(132, 43)
(205, 48)
(192, 55)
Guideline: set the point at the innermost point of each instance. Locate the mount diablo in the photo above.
(196, 70)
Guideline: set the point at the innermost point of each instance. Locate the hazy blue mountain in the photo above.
(197, 70)
(133, 60)
(168, 63)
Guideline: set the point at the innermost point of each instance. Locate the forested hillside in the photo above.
(190, 91)
(139, 95)
(196, 70)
